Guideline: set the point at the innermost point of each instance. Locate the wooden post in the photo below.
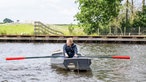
(139, 31)
(110, 30)
(98, 31)
(124, 30)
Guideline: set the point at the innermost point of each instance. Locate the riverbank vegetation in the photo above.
(112, 16)
(14, 29)
(95, 17)
(28, 29)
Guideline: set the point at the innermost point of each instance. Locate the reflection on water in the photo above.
(69, 72)
(102, 70)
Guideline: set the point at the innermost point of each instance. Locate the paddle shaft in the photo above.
(114, 57)
(22, 58)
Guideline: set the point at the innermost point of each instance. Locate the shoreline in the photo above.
(125, 39)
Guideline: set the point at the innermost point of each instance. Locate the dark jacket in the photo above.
(71, 51)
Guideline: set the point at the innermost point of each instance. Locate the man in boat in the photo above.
(70, 49)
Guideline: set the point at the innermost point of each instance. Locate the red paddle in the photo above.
(15, 58)
(121, 57)
(22, 58)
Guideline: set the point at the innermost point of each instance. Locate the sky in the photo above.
(46, 11)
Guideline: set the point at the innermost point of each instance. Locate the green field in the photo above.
(64, 28)
(28, 29)
(14, 29)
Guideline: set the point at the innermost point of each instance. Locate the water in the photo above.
(102, 70)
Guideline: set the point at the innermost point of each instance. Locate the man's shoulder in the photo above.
(74, 45)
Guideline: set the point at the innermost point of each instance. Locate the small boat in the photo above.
(76, 63)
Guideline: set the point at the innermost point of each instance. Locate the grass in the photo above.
(28, 29)
(20, 29)
(64, 28)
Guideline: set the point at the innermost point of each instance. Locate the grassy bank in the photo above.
(28, 29)
(65, 29)
(20, 29)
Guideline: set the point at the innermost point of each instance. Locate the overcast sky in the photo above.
(47, 11)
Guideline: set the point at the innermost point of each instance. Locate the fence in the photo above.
(40, 29)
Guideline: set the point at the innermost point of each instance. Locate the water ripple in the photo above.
(103, 70)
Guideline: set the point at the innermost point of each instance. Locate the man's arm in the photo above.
(75, 50)
(64, 51)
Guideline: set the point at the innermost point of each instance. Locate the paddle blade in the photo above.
(121, 57)
(15, 58)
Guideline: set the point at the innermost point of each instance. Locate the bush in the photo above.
(7, 20)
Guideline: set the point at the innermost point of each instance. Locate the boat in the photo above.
(76, 63)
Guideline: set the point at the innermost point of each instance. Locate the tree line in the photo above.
(111, 16)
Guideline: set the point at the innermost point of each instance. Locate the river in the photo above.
(102, 70)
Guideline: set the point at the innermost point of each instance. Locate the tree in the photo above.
(141, 19)
(143, 4)
(7, 20)
(132, 7)
(96, 14)
(127, 16)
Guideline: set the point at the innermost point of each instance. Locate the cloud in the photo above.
(47, 10)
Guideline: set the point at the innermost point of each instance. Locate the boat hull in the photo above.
(76, 63)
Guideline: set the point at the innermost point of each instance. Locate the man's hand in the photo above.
(75, 55)
(66, 55)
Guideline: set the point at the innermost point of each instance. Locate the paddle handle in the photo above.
(15, 58)
(121, 57)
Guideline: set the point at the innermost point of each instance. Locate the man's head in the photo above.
(69, 41)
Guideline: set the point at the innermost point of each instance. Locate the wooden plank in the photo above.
(90, 39)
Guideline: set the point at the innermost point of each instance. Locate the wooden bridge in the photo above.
(135, 39)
